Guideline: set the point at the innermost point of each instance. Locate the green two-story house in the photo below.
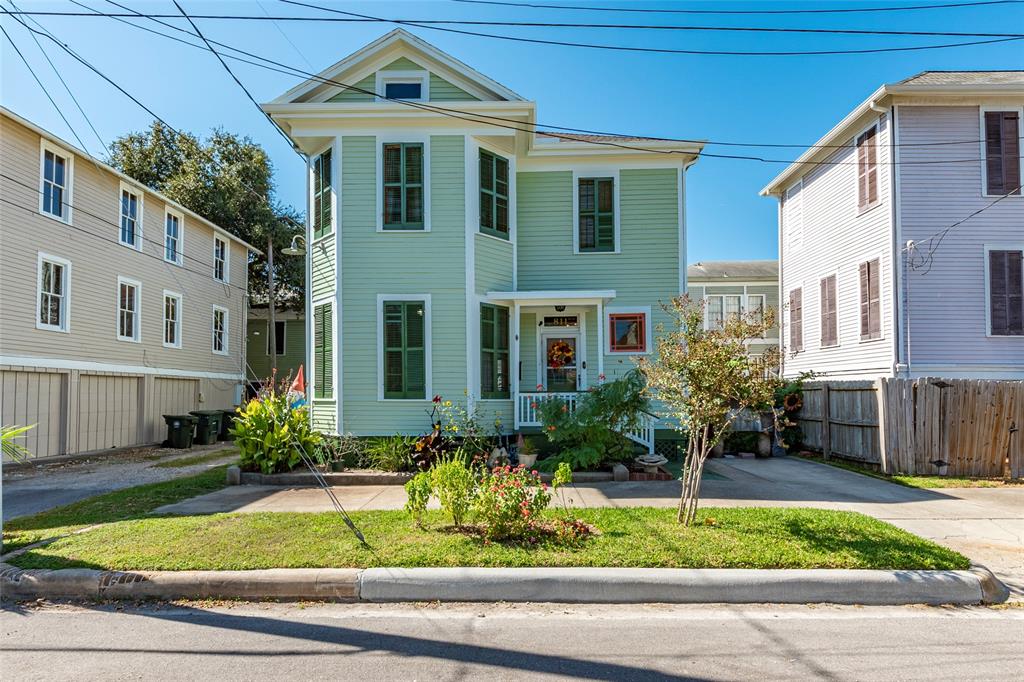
(454, 251)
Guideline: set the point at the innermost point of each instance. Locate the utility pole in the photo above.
(271, 305)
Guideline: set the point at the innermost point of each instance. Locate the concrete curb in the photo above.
(572, 585)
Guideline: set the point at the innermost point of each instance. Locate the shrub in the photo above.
(418, 490)
(347, 449)
(509, 501)
(453, 483)
(741, 441)
(270, 434)
(391, 453)
(591, 435)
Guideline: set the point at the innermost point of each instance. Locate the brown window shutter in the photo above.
(1011, 152)
(829, 332)
(874, 301)
(864, 306)
(1002, 152)
(796, 320)
(1006, 293)
(872, 180)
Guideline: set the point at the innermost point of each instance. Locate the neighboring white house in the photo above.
(117, 305)
(901, 234)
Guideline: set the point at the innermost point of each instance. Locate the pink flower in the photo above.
(540, 387)
(601, 377)
(533, 406)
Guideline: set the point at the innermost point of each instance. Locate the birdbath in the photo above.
(651, 462)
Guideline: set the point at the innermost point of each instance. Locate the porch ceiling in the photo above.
(544, 298)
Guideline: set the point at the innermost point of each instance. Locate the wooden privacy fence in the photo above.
(928, 426)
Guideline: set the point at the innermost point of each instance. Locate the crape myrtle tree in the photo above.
(705, 378)
(227, 179)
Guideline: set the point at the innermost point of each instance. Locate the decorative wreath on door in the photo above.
(560, 354)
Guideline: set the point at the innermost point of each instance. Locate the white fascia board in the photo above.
(552, 297)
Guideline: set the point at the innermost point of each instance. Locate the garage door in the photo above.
(35, 398)
(170, 396)
(108, 412)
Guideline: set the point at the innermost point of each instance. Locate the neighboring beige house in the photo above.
(901, 234)
(731, 287)
(117, 305)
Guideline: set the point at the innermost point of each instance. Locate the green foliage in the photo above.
(591, 434)
(452, 481)
(417, 491)
(509, 501)
(269, 433)
(10, 449)
(789, 398)
(741, 441)
(222, 179)
(391, 453)
(563, 476)
(347, 449)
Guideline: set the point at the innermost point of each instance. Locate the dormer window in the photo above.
(400, 90)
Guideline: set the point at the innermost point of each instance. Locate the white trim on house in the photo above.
(136, 335)
(140, 211)
(65, 310)
(984, 152)
(226, 340)
(67, 195)
(337, 342)
(402, 137)
(471, 151)
(648, 332)
(428, 371)
(85, 366)
(177, 322)
(226, 260)
(179, 248)
(419, 77)
(596, 172)
(553, 297)
(996, 246)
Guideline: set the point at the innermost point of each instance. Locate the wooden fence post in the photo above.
(883, 426)
(826, 434)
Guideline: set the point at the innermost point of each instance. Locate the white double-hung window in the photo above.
(55, 182)
(173, 237)
(54, 286)
(128, 294)
(220, 259)
(130, 217)
(172, 319)
(220, 330)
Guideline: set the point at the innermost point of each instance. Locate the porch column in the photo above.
(600, 338)
(514, 369)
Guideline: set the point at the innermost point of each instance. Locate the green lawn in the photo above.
(120, 505)
(195, 459)
(637, 537)
(921, 481)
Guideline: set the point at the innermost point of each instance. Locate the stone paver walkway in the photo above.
(986, 524)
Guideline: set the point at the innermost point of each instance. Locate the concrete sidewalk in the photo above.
(986, 524)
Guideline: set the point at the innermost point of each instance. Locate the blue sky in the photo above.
(732, 99)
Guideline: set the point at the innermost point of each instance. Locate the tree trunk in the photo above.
(696, 453)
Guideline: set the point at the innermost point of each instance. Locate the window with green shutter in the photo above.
(493, 195)
(403, 186)
(322, 195)
(596, 214)
(405, 352)
(494, 345)
(323, 351)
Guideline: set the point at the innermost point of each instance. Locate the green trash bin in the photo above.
(207, 426)
(226, 422)
(179, 430)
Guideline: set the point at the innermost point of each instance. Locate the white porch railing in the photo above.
(528, 414)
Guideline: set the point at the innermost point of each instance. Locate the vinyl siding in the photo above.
(401, 263)
(97, 259)
(836, 238)
(945, 303)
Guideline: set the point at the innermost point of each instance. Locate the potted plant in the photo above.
(527, 452)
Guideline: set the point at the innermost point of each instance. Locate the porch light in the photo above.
(294, 249)
(559, 308)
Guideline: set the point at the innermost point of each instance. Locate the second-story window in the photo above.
(493, 195)
(596, 214)
(131, 214)
(1002, 152)
(172, 319)
(127, 309)
(403, 186)
(867, 168)
(220, 259)
(56, 180)
(54, 276)
(172, 238)
(322, 198)
(870, 301)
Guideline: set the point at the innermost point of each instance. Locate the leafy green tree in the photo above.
(229, 180)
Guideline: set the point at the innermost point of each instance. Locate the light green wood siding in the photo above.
(294, 349)
(367, 85)
(493, 265)
(528, 351)
(402, 64)
(323, 268)
(443, 91)
(401, 263)
(325, 416)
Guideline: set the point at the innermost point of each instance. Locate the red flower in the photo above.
(437, 398)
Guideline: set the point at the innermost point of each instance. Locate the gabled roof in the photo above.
(4, 111)
(738, 270)
(931, 84)
(401, 43)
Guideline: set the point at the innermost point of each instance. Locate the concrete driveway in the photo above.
(986, 524)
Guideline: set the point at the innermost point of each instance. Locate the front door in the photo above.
(561, 360)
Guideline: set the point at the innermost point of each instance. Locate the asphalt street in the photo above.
(509, 642)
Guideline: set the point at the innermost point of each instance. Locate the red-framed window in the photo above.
(627, 332)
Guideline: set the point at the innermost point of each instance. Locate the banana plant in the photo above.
(12, 450)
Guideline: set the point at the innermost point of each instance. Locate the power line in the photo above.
(477, 118)
(658, 50)
(844, 10)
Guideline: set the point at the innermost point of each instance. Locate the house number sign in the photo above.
(561, 321)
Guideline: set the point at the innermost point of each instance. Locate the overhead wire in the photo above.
(837, 10)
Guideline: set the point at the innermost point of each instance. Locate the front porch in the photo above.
(558, 351)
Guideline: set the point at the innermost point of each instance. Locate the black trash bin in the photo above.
(179, 430)
(227, 420)
(208, 426)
